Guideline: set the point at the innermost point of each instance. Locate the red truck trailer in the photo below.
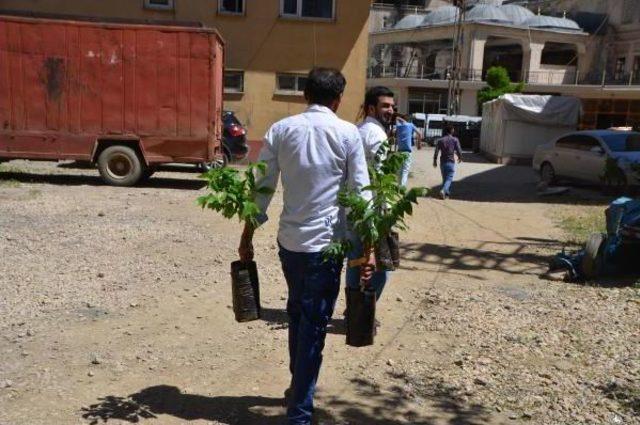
(126, 97)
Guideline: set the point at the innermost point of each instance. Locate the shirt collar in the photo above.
(319, 108)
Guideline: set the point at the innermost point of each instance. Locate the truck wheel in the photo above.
(120, 166)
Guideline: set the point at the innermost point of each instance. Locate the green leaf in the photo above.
(231, 193)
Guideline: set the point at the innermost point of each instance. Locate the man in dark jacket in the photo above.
(448, 147)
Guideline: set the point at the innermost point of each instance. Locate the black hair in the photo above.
(324, 86)
(449, 129)
(372, 95)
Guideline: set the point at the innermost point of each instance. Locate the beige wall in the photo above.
(260, 43)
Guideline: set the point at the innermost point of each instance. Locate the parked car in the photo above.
(583, 156)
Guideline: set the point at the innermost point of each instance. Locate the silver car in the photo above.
(583, 156)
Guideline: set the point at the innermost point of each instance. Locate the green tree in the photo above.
(499, 83)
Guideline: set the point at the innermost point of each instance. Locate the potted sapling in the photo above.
(232, 193)
(375, 222)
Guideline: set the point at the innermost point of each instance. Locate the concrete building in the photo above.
(584, 48)
(270, 45)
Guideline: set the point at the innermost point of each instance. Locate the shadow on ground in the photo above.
(83, 180)
(391, 407)
(626, 394)
(523, 256)
(278, 319)
(180, 168)
(397, 405)
(516, 183)
(168, 400)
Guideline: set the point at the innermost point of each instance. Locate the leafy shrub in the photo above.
(232, 193)
(499, 83)
(373, 219)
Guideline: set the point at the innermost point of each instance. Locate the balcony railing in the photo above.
(422, 73)
(546, 77)
(405, 8)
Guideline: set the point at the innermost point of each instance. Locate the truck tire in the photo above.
(120, 166)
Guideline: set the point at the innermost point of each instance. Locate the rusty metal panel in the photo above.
(200, 79)
(218, 88)
(17, 120)
(129, 83)
(147, 82)
(184, 85)
(53, 74)
(65, 84)
(167, 84)
(5, 81)
(90, 80)
(34, 89)
(74, 83)
(112, 87)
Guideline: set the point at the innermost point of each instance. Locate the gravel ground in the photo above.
(116, 307)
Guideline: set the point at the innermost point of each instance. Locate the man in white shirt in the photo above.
(316, 154)
(378, 107)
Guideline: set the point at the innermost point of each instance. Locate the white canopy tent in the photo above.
(515, 124)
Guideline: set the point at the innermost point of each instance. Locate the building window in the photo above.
(291, 83)
(323, 9)
(234, 81)
(231, 6)
(159, 4)
(636, 70)
(618, 72)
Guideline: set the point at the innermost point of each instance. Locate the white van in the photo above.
(433, 125)
(418, 119)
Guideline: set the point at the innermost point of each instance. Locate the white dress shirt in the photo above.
(373, 134)
(317, 154)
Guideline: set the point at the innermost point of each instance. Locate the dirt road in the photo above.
(116, 309)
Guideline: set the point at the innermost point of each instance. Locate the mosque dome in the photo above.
(489, 2)
(552, 22)
(487, 13)
(409, 21)
(517, 14)
(442, 16)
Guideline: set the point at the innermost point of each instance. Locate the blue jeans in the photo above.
(404, 170)
(448, 170)
(378, 279)
(313, 289)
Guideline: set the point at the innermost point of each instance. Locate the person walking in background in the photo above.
(404, 140)
(316, 154)
(448, 147)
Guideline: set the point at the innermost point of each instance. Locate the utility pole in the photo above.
(453, 107)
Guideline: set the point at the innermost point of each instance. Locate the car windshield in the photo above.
(623, 142)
